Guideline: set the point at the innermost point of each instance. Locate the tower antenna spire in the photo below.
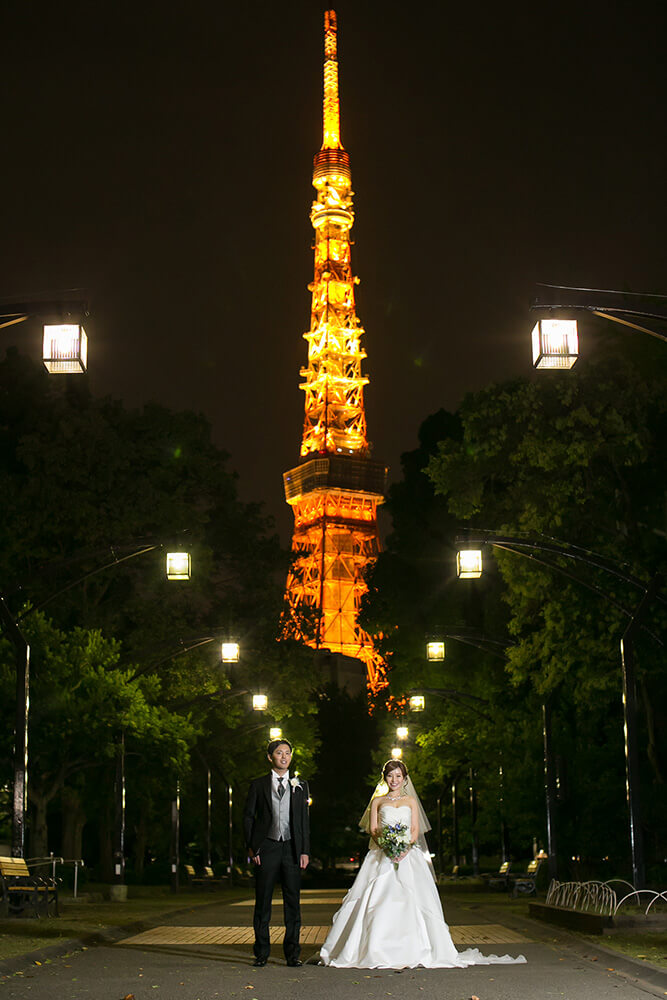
(331, 116)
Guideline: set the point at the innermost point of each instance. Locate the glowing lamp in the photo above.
(402, 733)
(555, 343)
(229, 652)
(417, 703)
(396, 753)
(435, 651)
(469, 564)
(178, 565)
(65, 349)
(260, 702)
(275, 732)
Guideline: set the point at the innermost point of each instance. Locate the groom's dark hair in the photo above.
(274, 744)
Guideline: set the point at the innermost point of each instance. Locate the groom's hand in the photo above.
(303, 861)
(255, 858)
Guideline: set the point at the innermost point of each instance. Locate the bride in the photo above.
(392, 916)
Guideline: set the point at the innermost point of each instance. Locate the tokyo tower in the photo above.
(335, 490)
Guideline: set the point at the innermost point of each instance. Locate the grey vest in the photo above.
(280, 829)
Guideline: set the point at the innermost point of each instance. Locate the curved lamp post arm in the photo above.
(86, 576)
(605, 303)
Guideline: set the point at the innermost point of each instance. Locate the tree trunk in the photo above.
(106, 829)
(140, 843)
(74, 820)
(39, 830)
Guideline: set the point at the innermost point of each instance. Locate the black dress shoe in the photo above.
(259, 963)
(294, 963)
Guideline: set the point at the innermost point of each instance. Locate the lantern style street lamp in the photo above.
(260, 702)
(469, 564)
(435, 651)
(275, 733)
(555, 343)
(555, 339)
(230, 652)
(396, 753)
(417, 703)
(402, 732)
(65, 349)
(178, 565)
(65, 344)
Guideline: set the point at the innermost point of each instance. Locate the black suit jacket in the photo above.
(258, 815)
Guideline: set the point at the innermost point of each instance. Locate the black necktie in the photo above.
(281, 788)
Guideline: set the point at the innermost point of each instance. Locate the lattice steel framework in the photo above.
(337, 487)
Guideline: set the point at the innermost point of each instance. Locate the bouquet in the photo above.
(394, 840)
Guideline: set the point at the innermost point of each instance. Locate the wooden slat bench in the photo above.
(524, 883)
(205, 881)
(499, 879)
(23, 892)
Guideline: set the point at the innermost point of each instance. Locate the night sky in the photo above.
(160, 156)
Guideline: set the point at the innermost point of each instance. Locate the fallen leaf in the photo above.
(473, 997)
(129, 996)
(609, 970)
(37, 963)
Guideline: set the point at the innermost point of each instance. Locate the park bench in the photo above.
(194, 880)
(205, 881)
(525, 882)
(500, 879)
(23, 892)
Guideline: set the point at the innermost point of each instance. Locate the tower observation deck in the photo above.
(336, 488)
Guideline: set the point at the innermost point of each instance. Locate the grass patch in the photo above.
(21, 935)
(646, 946)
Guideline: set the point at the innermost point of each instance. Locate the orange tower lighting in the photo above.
(335, 490)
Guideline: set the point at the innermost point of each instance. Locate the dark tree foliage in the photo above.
(86, 482)
(581, 459)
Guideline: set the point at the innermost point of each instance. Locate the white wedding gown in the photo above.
(392, 918)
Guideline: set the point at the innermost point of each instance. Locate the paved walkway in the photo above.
(206, 954)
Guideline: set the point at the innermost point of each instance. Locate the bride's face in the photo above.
(395, 780)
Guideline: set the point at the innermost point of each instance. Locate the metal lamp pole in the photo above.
(21, 729)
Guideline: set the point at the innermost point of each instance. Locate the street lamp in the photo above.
(396, 753)
(555, 343)
(469, 564)
(260, 702)
(230, 652)
(65, 349)
(179, 565)
(275, 733)
(65, 344)
(435, 651)
(417, 703)
(402, 733)
(555, 340)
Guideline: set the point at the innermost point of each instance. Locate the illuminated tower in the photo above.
(336, 488)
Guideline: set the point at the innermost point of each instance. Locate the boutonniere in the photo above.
(295, 783)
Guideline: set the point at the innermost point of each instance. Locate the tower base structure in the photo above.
(335, 542)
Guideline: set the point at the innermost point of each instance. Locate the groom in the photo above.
(277, 832)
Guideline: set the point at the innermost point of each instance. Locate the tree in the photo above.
(581, 458)
(82, 699)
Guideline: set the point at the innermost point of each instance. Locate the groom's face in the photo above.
(281, 757)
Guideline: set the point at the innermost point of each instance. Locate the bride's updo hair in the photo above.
(392, 765)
